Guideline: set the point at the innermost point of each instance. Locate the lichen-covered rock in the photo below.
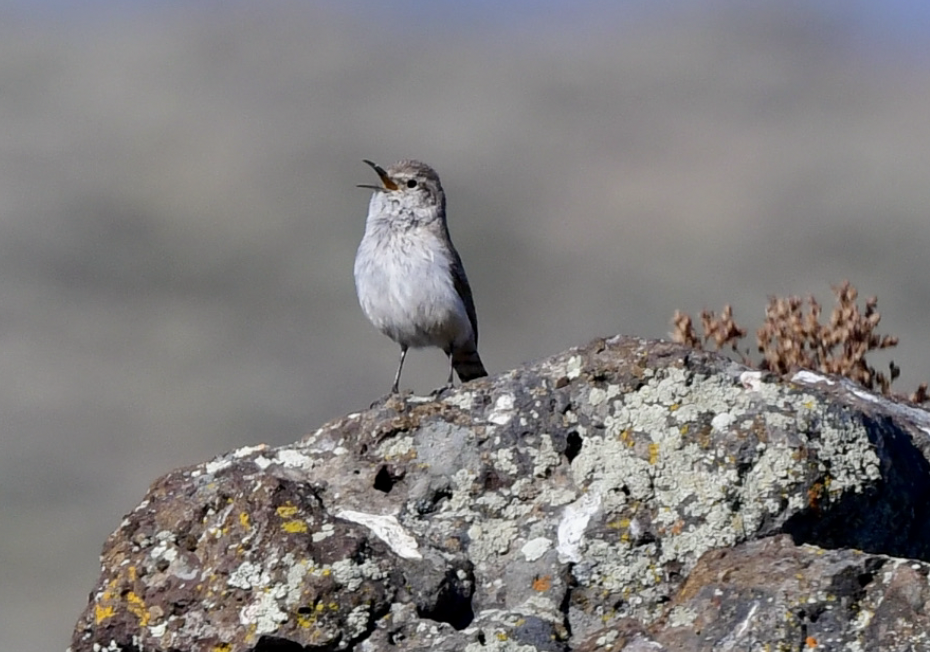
(562, 506)
(811, 597)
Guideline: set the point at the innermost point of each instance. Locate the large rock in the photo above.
(625, 495)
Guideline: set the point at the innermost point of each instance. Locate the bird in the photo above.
(409, 278)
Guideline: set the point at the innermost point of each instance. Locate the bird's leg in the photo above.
(403, 354)
(449, 382)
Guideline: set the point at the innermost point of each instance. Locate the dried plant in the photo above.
(792, 338)
(723, 331)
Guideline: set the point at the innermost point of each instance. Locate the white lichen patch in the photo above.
(327, 530)
(357, 621)
(492, 501)
(721, 422)
(263, 462)
(850, 457)
(681, 617)
(246, 451)
(605, 464)
(463, 400)
(296, 572)
(249, 576)
(387, 528)
(517, 509)
(536, 548)
(596, 396)
(541, 606)
(810, 378)
(502, 412)
(617, 567)
(688, 476)
(493, 537)
(752, 380)
(546, 458)
(157, 631)
(499, 642)
(351, 574)
(290, 458)
(557, 496)
(215, 466)
(573, 524)
(264, 614)
(574, 366)
(398, 448)
(502, 459)
(462, 500)
(164, 549)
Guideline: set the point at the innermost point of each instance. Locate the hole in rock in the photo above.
(274, 644)
(572, 446)
(383, 480)
(452, 603)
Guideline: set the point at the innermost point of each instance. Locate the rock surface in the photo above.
(627, 495)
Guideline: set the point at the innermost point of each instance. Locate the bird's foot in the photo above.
(439, 391)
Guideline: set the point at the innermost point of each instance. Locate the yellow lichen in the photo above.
(136, 606)
(286, 511)
(653, 453)
(102, 612)
(294, 526)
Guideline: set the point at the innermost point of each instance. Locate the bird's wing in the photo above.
(461, 286)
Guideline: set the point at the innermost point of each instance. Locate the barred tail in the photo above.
(467, 364)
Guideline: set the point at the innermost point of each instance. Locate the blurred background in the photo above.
(179, 217)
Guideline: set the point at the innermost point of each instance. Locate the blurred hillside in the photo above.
(178, 214)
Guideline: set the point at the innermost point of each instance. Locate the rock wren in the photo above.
(410, 280)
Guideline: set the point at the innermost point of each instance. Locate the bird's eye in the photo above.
(412, 183)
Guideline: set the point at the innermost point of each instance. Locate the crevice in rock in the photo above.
(889, 516)
(573, 444)
(570, 585)
(452, 603)
(276, 644)
(429, 504)
(849, 585)
(385, 480)
(396, 637)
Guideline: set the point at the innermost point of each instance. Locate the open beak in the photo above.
(385, 179)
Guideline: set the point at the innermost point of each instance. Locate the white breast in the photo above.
(406, 289)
